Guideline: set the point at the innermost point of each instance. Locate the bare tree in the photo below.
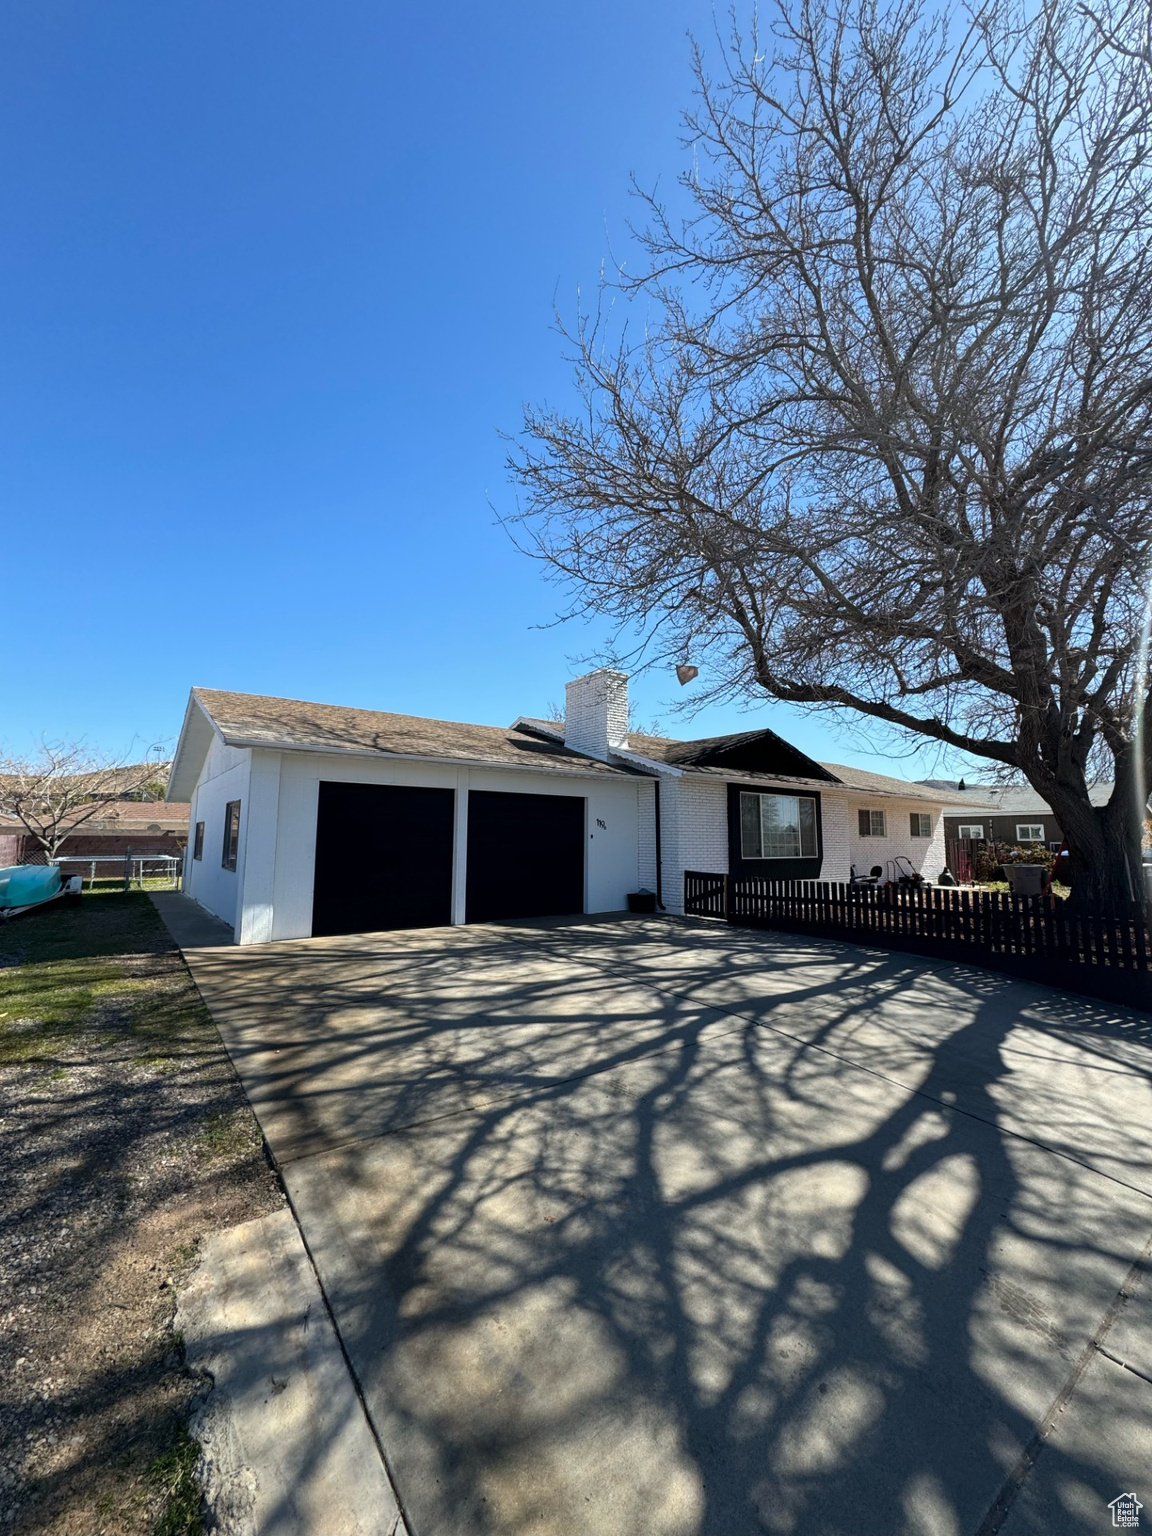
(885, 443)
(53, 793)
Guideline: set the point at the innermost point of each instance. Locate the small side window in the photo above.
(1030, 832)
(921, 824)
(231, 833)
(871, 824)
(198, 841)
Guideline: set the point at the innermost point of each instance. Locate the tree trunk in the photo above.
(1106, 870)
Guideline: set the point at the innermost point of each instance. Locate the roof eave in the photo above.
(383, 754)
(647, 764)
(196, 735)
(786, 781)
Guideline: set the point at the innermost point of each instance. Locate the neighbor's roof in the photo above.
(137, 816)
(124, 778)
(122, 817)
(1006, 799)
(253, 720)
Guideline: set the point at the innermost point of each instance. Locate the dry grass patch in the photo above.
(129, 1139)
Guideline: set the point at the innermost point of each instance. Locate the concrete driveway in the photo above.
(648, 1228)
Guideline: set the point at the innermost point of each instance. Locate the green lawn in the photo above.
(61, 965)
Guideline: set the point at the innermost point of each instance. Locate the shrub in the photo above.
(989, 860)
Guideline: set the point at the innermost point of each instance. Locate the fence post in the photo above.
(724, 897)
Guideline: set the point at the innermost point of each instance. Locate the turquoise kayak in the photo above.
(23, 885)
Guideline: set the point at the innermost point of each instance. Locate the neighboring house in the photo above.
(316, 819)
(994, 814)
(144, 828)
(11, 841)
(133, 817)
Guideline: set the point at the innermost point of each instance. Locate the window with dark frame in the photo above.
(198, 841)
(231, 833)
(921, 823)
(871, 823)
(778, 827)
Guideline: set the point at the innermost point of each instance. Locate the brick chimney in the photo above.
(596, 712)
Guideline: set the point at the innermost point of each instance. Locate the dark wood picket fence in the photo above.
(1030, 936)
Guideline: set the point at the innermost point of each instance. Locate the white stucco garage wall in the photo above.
(225, 777)
(278, 893)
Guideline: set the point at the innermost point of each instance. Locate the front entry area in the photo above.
(525, 856)
(383, 858)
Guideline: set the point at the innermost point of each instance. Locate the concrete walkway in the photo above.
(672, 1230)
(286, 1449)
(190, 924)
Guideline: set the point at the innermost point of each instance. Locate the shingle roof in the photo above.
(127, 778)
(254, 720)
(136, 815)
(121, 816)
(1008, 800)
(881, 783)
(685, 755)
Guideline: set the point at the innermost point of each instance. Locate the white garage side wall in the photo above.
(224, 777)
(612, 865)
(925, 854)
(258, 823)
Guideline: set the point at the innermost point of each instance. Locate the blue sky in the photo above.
(273, 278)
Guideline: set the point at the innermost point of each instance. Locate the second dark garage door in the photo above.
(525, 856)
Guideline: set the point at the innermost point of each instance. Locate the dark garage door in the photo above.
(525, 855)
(383, 858)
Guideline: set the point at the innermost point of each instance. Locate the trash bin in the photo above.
(642, 901)
(1025, 879)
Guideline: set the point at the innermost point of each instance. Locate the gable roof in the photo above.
(258, 720)
(762, 756)
(261, 720)
(759, 751)
(711, 757)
